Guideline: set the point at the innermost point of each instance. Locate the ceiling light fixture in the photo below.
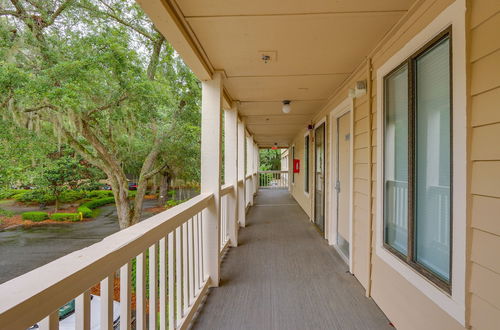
(286, 106)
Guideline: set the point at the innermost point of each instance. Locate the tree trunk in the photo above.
(123, 210)
(56, 206)
(154, 187)
(164, 181)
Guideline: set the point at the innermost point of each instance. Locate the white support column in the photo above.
(211, 105)
(241, 174)
(231, 170)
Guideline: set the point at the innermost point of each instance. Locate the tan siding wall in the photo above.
(298, 192)
(484, 284)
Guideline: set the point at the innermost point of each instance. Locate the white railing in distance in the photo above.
(273, 179)
(166, 252)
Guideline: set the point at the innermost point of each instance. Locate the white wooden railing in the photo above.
(166, 251)
(249, 190)
(224, 216)
(273, 179)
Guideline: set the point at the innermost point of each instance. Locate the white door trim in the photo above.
(343, 108)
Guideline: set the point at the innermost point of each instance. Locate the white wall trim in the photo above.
(453, 304)
(313, 195)
(343, 108)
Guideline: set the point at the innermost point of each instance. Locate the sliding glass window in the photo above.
(418, 161)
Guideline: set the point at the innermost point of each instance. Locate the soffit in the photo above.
(315, 45)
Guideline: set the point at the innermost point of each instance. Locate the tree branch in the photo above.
(107, 106)
(58, 12)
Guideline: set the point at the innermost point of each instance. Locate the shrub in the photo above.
(65, 216)
(99, 193)
(35, 196)
(69, 196)
(92, 204)
(35, 216)
(172, 202)
(9, 193)
(85, 211)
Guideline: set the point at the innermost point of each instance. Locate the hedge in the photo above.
(85, 211)
(35, 216)
(95, 203)
(65, 216)
(87, 207)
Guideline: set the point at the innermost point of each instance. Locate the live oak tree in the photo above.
(101, 78)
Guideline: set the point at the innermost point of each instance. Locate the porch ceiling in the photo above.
(315, 45)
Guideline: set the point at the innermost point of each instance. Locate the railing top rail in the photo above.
(65, 278)
(273, 171)
(226, 189)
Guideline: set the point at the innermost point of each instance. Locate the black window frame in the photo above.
(410, 258)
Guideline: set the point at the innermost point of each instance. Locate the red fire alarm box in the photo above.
(296, 166)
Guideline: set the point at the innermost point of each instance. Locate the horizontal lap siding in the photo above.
(404, 305)
(361, 175)
(484, 262)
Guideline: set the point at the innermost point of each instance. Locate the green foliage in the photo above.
(35, 216)
(172, 202)
(270, 160)
(92, 204)
(99, 194)
(35, 196)
(5, 213)
(65, 217)
(96, 79)
(10, 193)
(85, 211)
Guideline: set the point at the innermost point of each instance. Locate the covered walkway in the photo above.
(283, 275)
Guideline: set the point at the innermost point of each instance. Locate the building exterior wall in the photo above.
(404, 304)
(297, 188)
(484, 262)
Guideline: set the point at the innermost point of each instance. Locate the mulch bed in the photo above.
(17, 220)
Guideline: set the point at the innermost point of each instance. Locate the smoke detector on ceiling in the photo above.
(268, 56)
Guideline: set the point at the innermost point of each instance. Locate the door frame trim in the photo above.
(346, 106)
(325, 185)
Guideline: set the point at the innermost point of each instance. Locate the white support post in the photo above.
(211, 106)
(241, 175)
(231, 170)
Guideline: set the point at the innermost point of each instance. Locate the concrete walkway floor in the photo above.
(283, 275)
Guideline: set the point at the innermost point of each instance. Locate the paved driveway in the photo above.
(22, 250)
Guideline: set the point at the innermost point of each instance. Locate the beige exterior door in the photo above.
(342, 185)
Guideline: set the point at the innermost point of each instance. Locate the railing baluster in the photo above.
(185, 264)
(82, 311)
(192, 290)
(51, 322)
(153, 285)
(196, 254)
(202, 258)
(107, 292)
(125, 296)
(140, 291)
(179, 269)
(171, 280)
(163, 284)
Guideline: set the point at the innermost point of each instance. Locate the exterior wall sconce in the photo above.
(286, 106)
